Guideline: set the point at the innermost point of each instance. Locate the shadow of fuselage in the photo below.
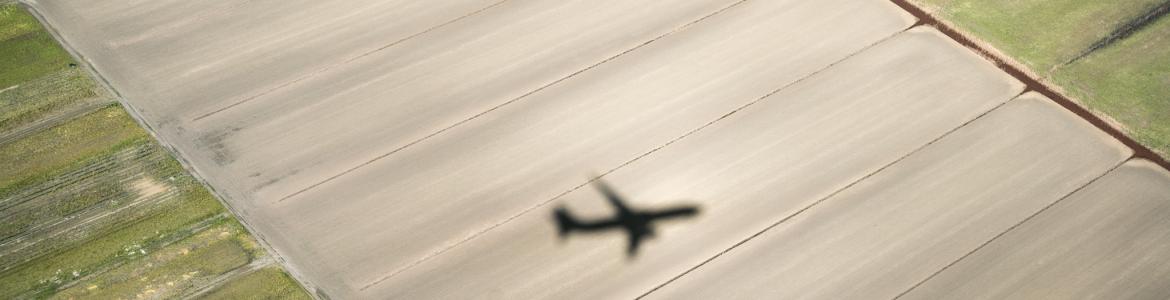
(638, 224)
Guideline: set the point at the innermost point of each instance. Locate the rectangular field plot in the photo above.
(1107, 240)
(888, 232)
(744, 172)
(436, 193)
(304, 133)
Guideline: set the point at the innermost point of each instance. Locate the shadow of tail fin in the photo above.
(565, 221)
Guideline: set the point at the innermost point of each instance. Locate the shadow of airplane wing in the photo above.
(612, 197)
(686, 211)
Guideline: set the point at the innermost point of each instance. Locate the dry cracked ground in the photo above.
(418, 149)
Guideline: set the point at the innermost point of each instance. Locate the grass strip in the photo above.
(36, 99)
(29, 56)
(167, 272)
(266, 283)
(36, 157)
(1130, 82)
(44, 275)
(15, 21)
(1041, 34)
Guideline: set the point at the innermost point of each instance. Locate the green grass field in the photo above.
(1042, 34)
(91, 207)
(38, 156)
(29, 51)
(275, 282)
(169, 271)
(39, 98)
(1128, 81)
(37, 78)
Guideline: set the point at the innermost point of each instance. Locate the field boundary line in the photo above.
(1012, 228)
(324, 69)
(834, 193)
(513, 100)
(639, 157)
(1031, 80)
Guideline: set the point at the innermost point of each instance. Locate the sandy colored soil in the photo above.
(415, 150)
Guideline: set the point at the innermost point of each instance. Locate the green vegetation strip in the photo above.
(1040, 33)
(73, 213)
(168, 272)
(67, 182)
(14, 21)
(1130, 82)
(273, 282)
(46, 274)
(39, 98)
(29, 51)
(38, 156)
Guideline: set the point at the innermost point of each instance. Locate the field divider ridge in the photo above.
(631, 161)
(1010, 229)
(830, 195)
(314, 73)
(513, 100)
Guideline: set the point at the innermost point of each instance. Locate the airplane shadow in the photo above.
(638, 224)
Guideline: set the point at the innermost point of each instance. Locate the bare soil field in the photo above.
(400, 149)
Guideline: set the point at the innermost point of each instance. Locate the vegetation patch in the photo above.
(1130, 82)
(266, 283)
(14, 21)
(36, 99)
(56, 148)
(172, 221)
(28, 54)
(94, 197)
(91, 207)
(169, 272)
(1041, 34)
